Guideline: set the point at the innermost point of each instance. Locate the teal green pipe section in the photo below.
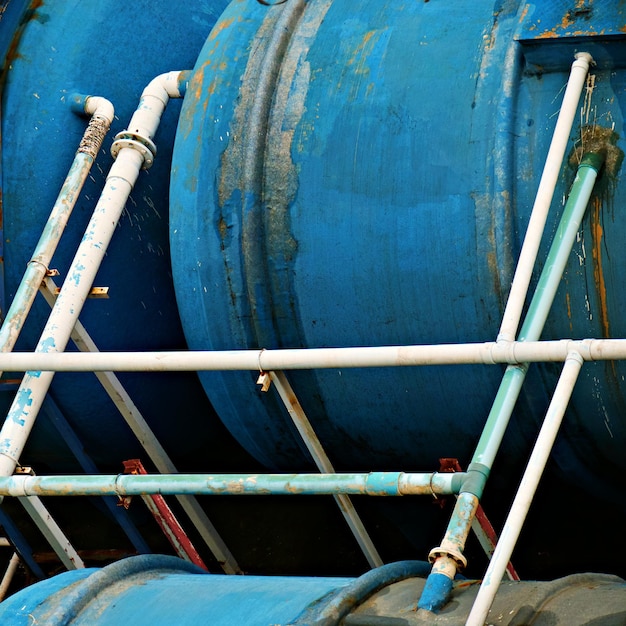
(433, 598)
(372, 484)
(540, 304)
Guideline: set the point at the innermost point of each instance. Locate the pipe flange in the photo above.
(457, 557)
(131, 140)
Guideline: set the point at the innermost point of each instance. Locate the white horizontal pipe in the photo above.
(543, 199)
(488, 353)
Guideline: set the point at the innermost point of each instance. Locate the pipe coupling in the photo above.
(456, 556)
(145, 146)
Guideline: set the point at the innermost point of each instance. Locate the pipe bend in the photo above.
(97, 106)
(92, 105)
(146, 118)
(166, 86)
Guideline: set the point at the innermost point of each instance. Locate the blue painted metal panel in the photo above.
(320, 244)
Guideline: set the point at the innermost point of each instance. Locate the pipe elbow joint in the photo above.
(97, 106)
(168, 85)
(82, 104)
(584, 60)
(595, 159)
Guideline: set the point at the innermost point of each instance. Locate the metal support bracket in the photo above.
(49, 528)
(165, 518)
(301, 422)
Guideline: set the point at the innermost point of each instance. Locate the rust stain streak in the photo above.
(568, 303)
(598, 274)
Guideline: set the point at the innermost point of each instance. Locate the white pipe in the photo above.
(97, 106)
(526, 491)
(142, 431)
(488, 353)
(316, 450)
(543, 199)
(52, 532)
(101, 111)
(152, 103)
(133, 150)
(8, 575)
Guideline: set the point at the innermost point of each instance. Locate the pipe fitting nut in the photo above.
(143, 145)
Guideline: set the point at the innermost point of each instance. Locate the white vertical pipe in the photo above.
(545, 192)
(526, 491)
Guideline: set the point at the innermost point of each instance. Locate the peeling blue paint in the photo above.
(47, 345)
(22, 401)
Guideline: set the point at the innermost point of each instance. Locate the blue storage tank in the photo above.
(339, 174)
(94, 48)
(351, 174)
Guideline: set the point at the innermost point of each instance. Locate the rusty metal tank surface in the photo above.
(361, 173)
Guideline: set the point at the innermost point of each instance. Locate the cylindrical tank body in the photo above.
(152, 590)
(362, 173)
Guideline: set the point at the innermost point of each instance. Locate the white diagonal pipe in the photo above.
(8, 575)
(101, 111)
(132, 151)
(526, 492)
(543, 199)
